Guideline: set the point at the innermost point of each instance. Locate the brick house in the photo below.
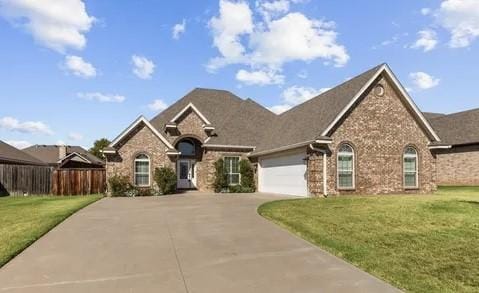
(458, 162)
(364, 136)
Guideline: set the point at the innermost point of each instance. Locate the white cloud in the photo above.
(55, 24)
(272, 8)
(19, 144)
(259, 77)
(34, 127)
(75, 136)
(427, 40)
(80, 67)
(235, 19)
(295, 37)
(423, 80)
(142, 67)
(278, 109)
(178, 29)
(425, 11)
(60, 142)
(158, 105)
(103, 98)
(269, 44)
(461, 19)
(295, 95)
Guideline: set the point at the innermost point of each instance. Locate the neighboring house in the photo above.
(13, 156)
(458, 162)
(364, 136)
(21, 173)
(65, 157)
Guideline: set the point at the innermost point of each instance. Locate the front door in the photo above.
(186, 174)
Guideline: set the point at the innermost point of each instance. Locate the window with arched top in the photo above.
(186, 148)
(345, 167)
(410, 168)
(142, 170)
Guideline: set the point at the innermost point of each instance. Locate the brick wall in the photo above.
(141, 140)
(458, 166)
(378, 128)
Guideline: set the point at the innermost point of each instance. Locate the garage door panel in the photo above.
(284, 175)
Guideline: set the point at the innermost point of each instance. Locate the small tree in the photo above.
(221, 181)
(247, 176)
(165, 178)
(98, 147)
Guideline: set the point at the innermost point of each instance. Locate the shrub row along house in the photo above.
(364, 136)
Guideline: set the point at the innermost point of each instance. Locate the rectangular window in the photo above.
(232, 170)
(142, 173)
(410, 172)
(345, 171)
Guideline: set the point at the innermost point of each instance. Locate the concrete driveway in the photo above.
(182, 243)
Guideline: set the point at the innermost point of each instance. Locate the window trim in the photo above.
(228, 172)
(193, 144)
(135, 172)
(404, 156)
(353, 154)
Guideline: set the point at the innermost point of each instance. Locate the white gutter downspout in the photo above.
(325, 169)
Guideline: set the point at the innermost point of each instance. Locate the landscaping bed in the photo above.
(419, 243)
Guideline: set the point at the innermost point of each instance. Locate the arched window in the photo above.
(186, 148)
(142, 170)
(345, 167)
(410, 168)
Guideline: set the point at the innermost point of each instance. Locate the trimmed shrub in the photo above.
(247, 176)
(220, 183)
(119, 185)
(165, 178)
(235, 189)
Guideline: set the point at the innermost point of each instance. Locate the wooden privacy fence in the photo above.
(78, 181)
(20, 179)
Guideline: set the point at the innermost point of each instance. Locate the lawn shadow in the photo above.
(470, 202)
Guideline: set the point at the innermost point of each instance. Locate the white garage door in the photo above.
(284, 174)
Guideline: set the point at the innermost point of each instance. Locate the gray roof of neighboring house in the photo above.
(308, 120)
(50, 153)
(236, 120)
(11, 154)
(458, 128)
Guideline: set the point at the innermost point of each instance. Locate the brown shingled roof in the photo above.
(458, 128)
(49, 153)
(245, 123)
(236, 120)
(10, 154)
(308, 120)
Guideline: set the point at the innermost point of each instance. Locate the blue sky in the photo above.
(73, 71)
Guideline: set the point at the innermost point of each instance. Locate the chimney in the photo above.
(62, 151)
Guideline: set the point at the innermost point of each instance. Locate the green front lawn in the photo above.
(25, 219)
(419, 243)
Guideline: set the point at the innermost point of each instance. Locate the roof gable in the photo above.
(193, 108)
(132, 126)
(384, 69)
(319, 116)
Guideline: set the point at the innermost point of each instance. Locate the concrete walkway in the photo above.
(181, 243)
